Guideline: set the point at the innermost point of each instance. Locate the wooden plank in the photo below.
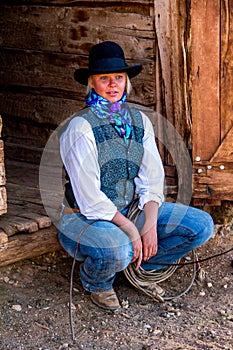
(215, 192)
(39, 108)
(3, 239)
(42, 221)
(25, 132)
(23, 152)
(25, 246)
(205, 30)
(30, 194)
(53, 110)
(213, 183)
(13, 224)
(218, 177)
(73, 29)
(25, 192)
(51, 73)
(226, 67)
(2, 165)
(171, 23)
(3, 210)
(202, 202)
(225, 151)
(17, 207)
(26, 205)
(2, 174)
(171, 76)
(1, 151)
(18, 211)
(36, 69)
(3, 200)
(31, 197)
(83, 3)
(26, 153)
(16, 173)
(170, 171)
(22, 217)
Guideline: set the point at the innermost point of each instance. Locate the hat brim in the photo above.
(81, 75)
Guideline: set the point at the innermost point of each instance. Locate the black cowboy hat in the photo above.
(106, 57)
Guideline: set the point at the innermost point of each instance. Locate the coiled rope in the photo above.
(144, 280)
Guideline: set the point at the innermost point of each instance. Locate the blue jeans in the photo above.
(104, 249)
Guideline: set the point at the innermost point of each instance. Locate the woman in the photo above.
(110, 155)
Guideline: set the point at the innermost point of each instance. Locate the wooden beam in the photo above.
(226, 67)
(84, 3)
(205, 30)
(172, 30)
(225, 151)
(74, 29)
(42, 109)
(52, 74)
(25, 246)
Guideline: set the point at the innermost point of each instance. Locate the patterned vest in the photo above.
(119, 162)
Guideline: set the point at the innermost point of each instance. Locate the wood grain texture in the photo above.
(205, 77)
(226, 67)
(27, 246)
(75, 29)
(51, 74)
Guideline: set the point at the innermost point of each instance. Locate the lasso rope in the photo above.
(143, 280)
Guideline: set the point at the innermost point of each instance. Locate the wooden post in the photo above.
(26, 246)
(172, 32)
(205, 31)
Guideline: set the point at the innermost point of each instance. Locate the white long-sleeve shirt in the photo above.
(80, 158)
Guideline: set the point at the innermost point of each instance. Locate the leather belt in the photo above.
(68, 210)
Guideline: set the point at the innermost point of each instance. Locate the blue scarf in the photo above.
(117, 112)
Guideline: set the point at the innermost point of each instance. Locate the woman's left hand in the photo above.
(149, 230)
(149, 243)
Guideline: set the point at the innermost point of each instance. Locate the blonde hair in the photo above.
(128, 85)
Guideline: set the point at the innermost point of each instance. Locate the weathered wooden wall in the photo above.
(212, 100)
(185, 47)
(42, 43)
(185, 77)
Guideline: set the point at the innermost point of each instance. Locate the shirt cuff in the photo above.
(156, 198)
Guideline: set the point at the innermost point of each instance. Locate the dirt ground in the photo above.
(34, 312)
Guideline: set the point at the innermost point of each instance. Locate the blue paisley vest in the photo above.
(119, 162)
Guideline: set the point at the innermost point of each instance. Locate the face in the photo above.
(110, 86)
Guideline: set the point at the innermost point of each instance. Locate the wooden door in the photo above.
(212, 100)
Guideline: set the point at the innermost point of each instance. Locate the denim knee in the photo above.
(206, 227)
(105, 261)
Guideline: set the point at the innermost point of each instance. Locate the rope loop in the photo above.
(144, 280)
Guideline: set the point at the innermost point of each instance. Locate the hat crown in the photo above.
(106, 57)
(104, 52)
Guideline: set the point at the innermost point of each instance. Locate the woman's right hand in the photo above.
(132, 232)
(137, 249)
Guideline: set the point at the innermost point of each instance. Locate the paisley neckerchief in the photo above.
(117, 112)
